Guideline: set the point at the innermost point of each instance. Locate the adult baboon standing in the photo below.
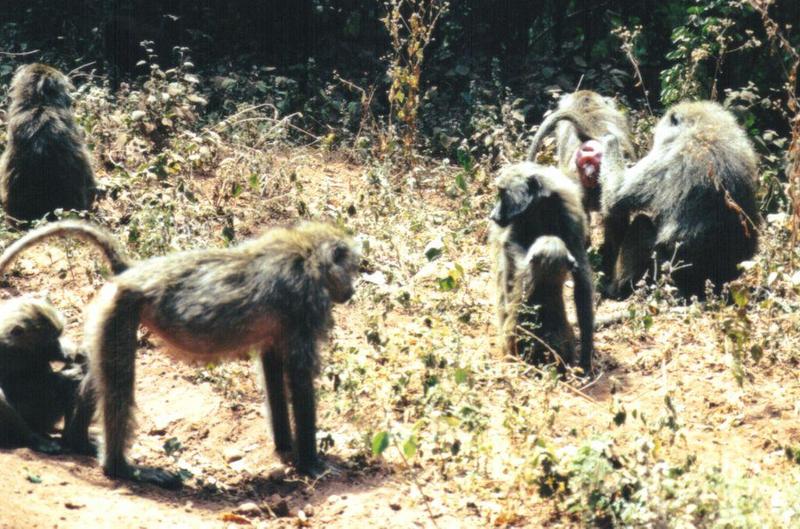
(273, 294)
(45, 165)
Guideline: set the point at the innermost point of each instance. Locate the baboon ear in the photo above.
(536, 190)
(340, 253)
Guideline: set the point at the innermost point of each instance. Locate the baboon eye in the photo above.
(17, 331)
(673, 119)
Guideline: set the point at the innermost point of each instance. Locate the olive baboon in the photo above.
(578, 152)
(536, 320)
(533, 201)
(693, 197)
(273, 294)
(33, 397)
(45, 165)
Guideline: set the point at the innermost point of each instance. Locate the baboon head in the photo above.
(335, 257)
(518, 188)
(703, 119)
(29, 334)
(340, 266)
(38, 84)
(550, 259)
(586, 101)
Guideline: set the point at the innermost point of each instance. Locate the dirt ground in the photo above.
(219, 417)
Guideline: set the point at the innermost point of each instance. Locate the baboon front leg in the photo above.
(115, 362)
(275, 378)
(76, 427)
(301, 384)
(14, 429)
(635, 254)
(614, 227)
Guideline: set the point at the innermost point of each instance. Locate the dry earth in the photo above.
(217, 414)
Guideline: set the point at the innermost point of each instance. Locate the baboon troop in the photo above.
(690, 202)
(45, 165)
(34, 397)
(273, 294)
(534, 201)
(577, 150)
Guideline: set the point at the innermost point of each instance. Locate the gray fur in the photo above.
(699, 154)
(46, 164)
(273, 294)
(536, 201)
(599, 116)
(34, 397)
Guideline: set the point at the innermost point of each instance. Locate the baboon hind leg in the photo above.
(115, 368)
(301, 384)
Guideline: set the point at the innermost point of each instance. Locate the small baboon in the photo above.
(578, 152)
(536, 320)
(693, 198)
(34, 397)
(534, 200)
(45, 165)
(273, 294)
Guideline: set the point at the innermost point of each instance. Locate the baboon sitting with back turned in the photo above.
(45, 165)
(693, 197)
(34, 397)
(578, 151)
(535, 319)
(273, 293)
(534, 200)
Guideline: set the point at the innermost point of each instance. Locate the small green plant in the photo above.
(737, 334)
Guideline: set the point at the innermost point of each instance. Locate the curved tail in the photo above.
(75, 228)
(550, 122)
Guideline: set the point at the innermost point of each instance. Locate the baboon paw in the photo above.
(284, 454)
(316, 469)
(151, 475)
(45, 445)
(85, 447)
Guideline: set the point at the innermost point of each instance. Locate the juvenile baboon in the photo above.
(273, 294)
(34, 397)
(578, 152)
(536, 320)
(45, 165)
(533, 201)
(693, 197)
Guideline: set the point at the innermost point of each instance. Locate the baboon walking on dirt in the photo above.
(273, 294)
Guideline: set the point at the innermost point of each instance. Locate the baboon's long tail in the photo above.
(74, 228)
(550, 122)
